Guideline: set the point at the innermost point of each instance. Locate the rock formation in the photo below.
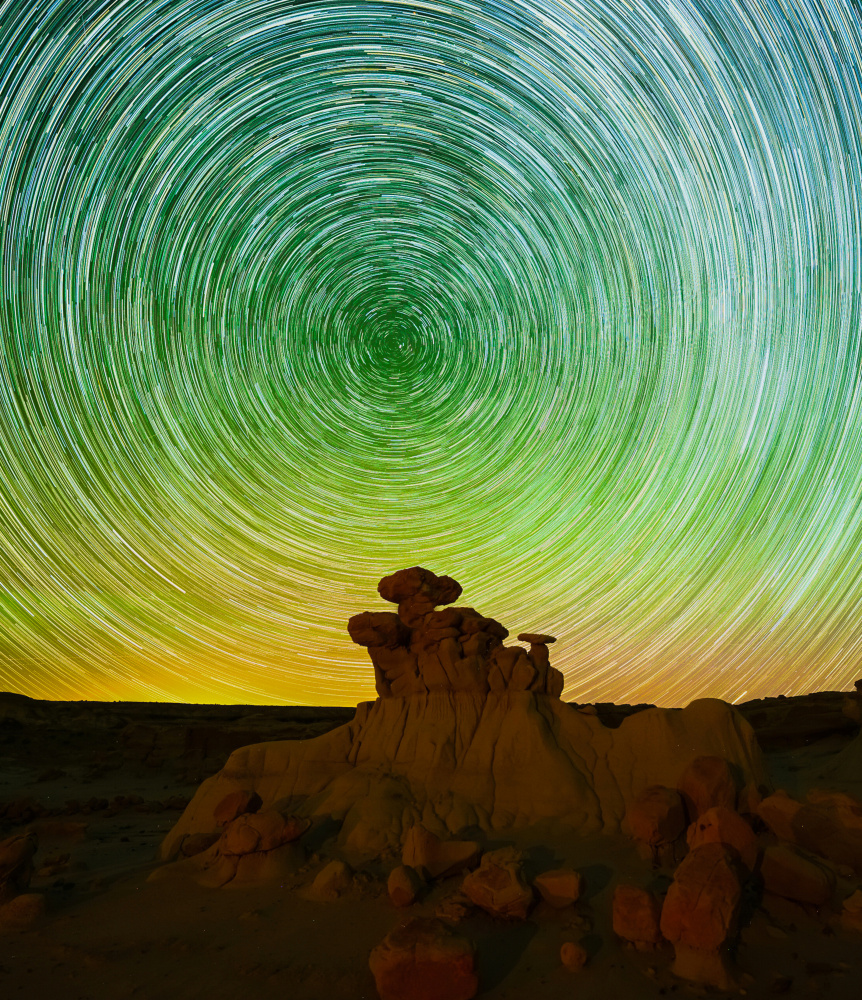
(468, 736)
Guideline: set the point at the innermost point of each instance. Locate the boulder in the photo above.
(720, 825)
(787, 873)
(700, 914)
(574, 956)
(778, 812)
(332, 881)
(262, 831)
(424, 959)
(236, 804)
(16, 864)
(423, 849)
(498, 886)
(22, 912)
(403, 885)
(561, 887)
(197, 843)
(656, 818)
(829, 824)
(707, 782)
(637, 916)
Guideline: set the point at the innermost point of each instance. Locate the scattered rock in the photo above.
(637, 916)
(573, 956)
(560, 887)
(787, 873)
(332, 881)
(720, 825)
(404, 885)
(707, 782)
(498, 886)
(440, 857)
(700, 914)
(829, 825)
(22, 912)
(236, 804)
(424, 959)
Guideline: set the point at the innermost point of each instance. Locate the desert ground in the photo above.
(102, 784)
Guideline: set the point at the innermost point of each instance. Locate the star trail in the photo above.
(561, 299)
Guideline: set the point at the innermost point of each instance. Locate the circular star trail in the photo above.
(562, 299)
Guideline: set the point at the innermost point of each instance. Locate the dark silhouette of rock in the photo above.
(16, 864)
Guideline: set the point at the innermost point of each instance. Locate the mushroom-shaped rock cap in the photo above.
(536, 638)
(415, 582)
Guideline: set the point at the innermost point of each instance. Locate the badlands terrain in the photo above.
(518, 845)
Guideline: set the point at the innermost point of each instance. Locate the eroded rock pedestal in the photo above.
(468, 736)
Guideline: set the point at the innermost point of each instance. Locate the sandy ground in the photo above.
(109, 933)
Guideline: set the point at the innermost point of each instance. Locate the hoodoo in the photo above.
(468, 736)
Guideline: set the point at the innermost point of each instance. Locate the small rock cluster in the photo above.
(775, 845)
(427, 957)
(419, 649)
(247, 844)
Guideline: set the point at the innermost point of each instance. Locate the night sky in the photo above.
(561, 299)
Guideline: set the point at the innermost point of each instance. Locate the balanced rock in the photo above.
(466, 734)
(656, 818)
(16, 864)
(637, 916)
(424, 959)
(423, 849)
(700, 914)
(561, 887)
(417, 592)
(787, 873)
(707, 782)
(720, 825)
(403, 885)
(498, 886)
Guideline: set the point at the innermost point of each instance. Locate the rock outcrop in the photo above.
(467, 737)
